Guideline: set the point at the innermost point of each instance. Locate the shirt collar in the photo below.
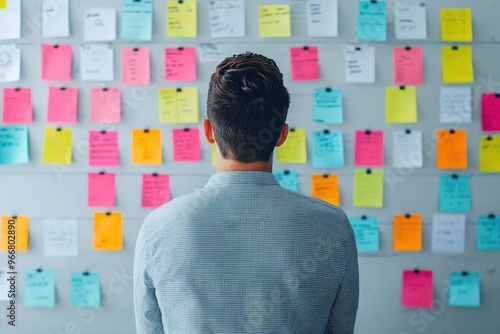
(243, 177)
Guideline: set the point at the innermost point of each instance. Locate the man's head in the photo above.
(247, 107)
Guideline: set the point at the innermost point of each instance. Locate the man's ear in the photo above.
(209, 135)
(283, 135)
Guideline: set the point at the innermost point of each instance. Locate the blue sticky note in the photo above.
(372, 21)
(328, 107)
(14, 145)
(464, 289)
(454, 193)
(39, 288)
(288, 179)
(85, 290)
(137, 20)
(328, 149)
(366, 233)
(488, 233)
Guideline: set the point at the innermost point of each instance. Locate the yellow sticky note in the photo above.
(182, 18)
(369, 188)
(456, 24)
(326, 187)
(457, 64)
(3, 4)
(407, 232)
(179, 105)
(108, 231)
(57, 145)
(275, 21)
(15, 233)
(214, 155)
(489, 154)
(294, 149)
(169, 108)
(401, 104)
(146, 146)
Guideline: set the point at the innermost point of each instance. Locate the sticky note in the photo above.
(214, 155)
(85, 289)
(136, 66)
(328, 149)
(464, 289)
(322, 18)
(294, 148)
(137, 20)
(103, 149)
(369, 188)
(366, 233)
(17, 105)
(274, 21)
(454, 193)
(456, 105)
(108, 231)
(56, 62)
(3, 4)
(179, 105)
(57, 145)
(39, 288)
(10, 16)
(101, 190)
(62, 106)
(155, 190)
(182, 18)
(328, 106)
(401, 104)
(457, 64)
(410, 19)
(407, 149)
(146, 146)
(180, 64)
(489, 154)
(305, 63)
(105, 105)
(14, 148)
(227, 18)
(99, 24)
(448, 233)
(20, 225)
(10, 69)
(60, 237)
(456, 24)
(372, 21)
(359, 64)
(326, 187)
(451, 149)
(408, 66)
(490, 112)
(417, 289)
(407, 232)
(187, 145)
(55, 18)
(97, 62)
(369, 148)
(488, 233)
(288, 179)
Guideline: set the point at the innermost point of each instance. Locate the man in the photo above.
(244, 255)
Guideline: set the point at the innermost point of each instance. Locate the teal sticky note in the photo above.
(288, 179)
(464, 289)
(14, 145)
(366, 233)
(488, 233)
(454, 193)
(85, 289)
(372, 21)
(39, 288)
(137, 20)
(328, 149)
(328, 106)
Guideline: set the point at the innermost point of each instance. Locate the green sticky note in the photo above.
(294, 149)
(85, 290)
(369, 188)
(464, 289)
(39, 288)
(488, 233)
(401, 104)
(372, 21)
(366, 233)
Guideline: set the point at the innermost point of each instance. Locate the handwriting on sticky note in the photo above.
(464, 289)
(57, 145)
(155, 190)
(454, 193)
(372, 21)
(401, 104)
(137, 20)
(103, 149)
(274, 21)
(369, 188)
(136, 66)
(490, 112)
(63, 105)
(407, 232)
(97, 62)
(10, 71)
(288, 179)
(10, 16)
(456, 105)
(101, 190)
(328, 106)
(14, 145)
(56, 62)
(85, 290)
(407, 149)
(99, 24)
(294, 150)
(326, 187)
(366, 233)
(452, 149)
(369, 148)
(182, 18)
(179, 105)
(39, 288)
(108, 231)
(305, 63)
(55, 18)
(60, 237)
(456, 24)
(322, 18)
(410, 19)
(17, 106)
(448, 233)
(20, 226)
(488, 233)
(457, 64)
(408, 66)
(328, 149)
(105, 105)
(359, 64)
(489, 154)
(187, 145)
(417, 289)
(180, 64)
(227, 18)
(146, 146)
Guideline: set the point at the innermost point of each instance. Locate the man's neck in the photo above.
(231, 165)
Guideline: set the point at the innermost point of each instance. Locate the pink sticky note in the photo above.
(408, 66)
(417, 288)
(62, 105)
(369, 148)
(155, 190)
(17, 105)
(103, 149)
(101, 192)
(136, 68)
(105, 105)
(180, 64)
(56, 62)
(187, 144)
(305, 63)
(490, 110)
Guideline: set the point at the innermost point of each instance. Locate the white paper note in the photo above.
(448, 233)
(55, 18)
(410, 19)
(227, 18)
(360, 63)
(456, 105)
(407, 149)
(60, 237)
(216, 53)
(96, 62)
(4, 284)
(10, 62)
(100, 24)
(10, 20)
(322, 18)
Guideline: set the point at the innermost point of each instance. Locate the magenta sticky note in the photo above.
(408, 66)
(103, 149)
(369, 148)
(101, 190)
(305, 63)
(417, 288)
(180, 64)
(187, 145)
(155, 190)
(105, 105)
(136, 66)
(490, 110)
(17, 106)
(56, 62)
(62, 106)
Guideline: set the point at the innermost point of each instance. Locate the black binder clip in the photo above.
(58, 129)
(402, 87)
(357, 48)
(86, 273)
(292, 129)
(108, 213)
(146, 130)
(103, 132)
(497, 94)
(180, 48)
(452, 131)
(416, 270)
(102, 172)
(454, 177)
(179, 90)
(465, 273)
(155, 174)
(408, 131)
(364, 217)
(56, 46)
(489, 138)
(135, 49)
(325, 176)
(105, 89)
(491, 216)
(14, 216)
(39, 269)
(408, 48)
(408, 215)
(305, 48)
(373, 1)
(368, 132)
(454, 48)
(368, 171)
(328, 90)
(286, 172)
(326, 131)
(62, 88)
(186, 129)
(181, 1)
(17, 89)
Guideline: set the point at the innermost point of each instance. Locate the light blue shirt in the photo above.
(244, 255)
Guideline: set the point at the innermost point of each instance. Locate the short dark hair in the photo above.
(247, 107)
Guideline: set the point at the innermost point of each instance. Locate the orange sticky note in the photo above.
(407, 233)
(17, 106)
(56, 62)
(63, 105)
(187, 145)
(108, 231)
(103, 149)
(105, 105)
(136, 66)
(155, 190)
(18, 240)
(305, 63)
(101, 190)
(408, 66)
(326, 187)
(452, 149)
(180, 64)
(146, 146)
